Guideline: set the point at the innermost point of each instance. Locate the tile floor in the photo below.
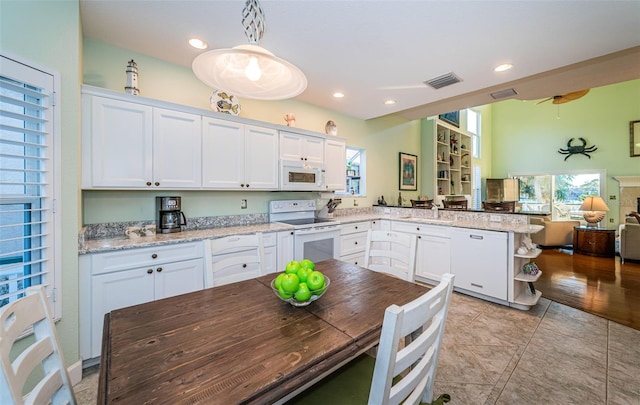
(551, 354)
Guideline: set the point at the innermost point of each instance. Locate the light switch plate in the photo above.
(243, 203)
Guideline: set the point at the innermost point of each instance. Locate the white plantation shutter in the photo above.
(26, 180)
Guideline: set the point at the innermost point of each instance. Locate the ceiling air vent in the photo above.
(442, 81)
(504, 94)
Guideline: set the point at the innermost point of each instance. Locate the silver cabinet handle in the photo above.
(476, 237)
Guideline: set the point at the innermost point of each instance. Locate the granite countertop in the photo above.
(123, 243)
(486, 225)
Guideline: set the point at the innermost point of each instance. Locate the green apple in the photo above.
(278, 281)
(284, 294)
(290, 283)
(315, 280)
(308, 264)
(303, 294)
(292, 267)
(303, 273)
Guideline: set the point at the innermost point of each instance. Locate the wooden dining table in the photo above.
(239, 343)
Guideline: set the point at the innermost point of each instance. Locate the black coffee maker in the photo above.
(170, 217)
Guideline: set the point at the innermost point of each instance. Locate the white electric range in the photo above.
(314, 238)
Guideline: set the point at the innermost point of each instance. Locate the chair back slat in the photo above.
(391, 252)
(420, 324)
(32, 311)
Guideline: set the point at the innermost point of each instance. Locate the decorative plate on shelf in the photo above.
(224, 102)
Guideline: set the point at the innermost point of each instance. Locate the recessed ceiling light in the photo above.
(338, 94)
(389, 102)
(503, 67)
(197, 43)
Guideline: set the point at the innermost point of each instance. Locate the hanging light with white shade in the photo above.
(250, 70)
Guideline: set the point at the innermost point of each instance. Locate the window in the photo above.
(559, 194)
(27, 186)
(476, 189)
(356, 170)
(474, 126)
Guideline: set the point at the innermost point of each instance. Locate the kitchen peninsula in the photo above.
(482, 249)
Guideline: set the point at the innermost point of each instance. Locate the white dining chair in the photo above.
(234, 258)
(405, 366)
(392, 253)
(43, 354)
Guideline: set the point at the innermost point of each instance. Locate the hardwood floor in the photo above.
(598, 285)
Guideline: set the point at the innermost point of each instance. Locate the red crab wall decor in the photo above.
(577, 149)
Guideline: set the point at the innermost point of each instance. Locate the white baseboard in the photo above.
(75, 372)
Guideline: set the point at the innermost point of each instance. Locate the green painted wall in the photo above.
(526, 136)
(383, 138)
(47, 33)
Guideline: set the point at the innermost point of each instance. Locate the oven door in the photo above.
(301, 176)
(317, 243)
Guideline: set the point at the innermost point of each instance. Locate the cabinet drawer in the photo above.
(354, 258)
(355, 242)
(421, 229)
(126, 259)
(233, 272)
(347, 229)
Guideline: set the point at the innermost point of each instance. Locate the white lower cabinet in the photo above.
(285, 249)
(479, 261)
(353, 242)
(114, 280)
(433, 258)
(230, 247)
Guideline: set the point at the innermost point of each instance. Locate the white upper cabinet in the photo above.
(301, 147)
(238, 156)
(177, 145)
(135, 143)
(335, 164)
(132, 146)
(117, 144)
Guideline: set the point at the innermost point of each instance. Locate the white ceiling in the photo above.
(378, 50)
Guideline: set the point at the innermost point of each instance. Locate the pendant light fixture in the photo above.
(250, 70)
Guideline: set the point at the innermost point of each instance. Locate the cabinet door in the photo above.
(121, 139)
(270, 260)
(335, 164)
(178, 278)
(117, 290)
(301, 147)
(479, 261)
(433, 258)
(314, 149)
(261, 158)
(177, 149)
(223, 154)
(285, 249)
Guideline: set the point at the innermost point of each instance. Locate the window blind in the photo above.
(26, 225)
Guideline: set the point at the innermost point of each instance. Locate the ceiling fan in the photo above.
(565, 98)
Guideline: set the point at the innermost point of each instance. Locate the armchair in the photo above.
(554, 233)
(630, 239)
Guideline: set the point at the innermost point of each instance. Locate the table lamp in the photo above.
(594, 207)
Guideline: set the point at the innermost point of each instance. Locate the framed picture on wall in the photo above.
(634, 142)
(452, 118)
(408, 171)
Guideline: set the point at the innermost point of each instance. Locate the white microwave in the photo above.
(301, 176)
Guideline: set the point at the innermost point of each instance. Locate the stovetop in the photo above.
(307, 221)
(299, 213)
